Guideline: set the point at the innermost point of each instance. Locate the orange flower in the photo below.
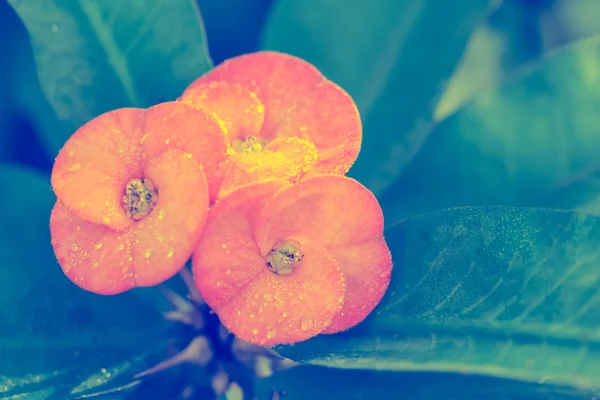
(280, 263)
(283, 119)
(133, 190)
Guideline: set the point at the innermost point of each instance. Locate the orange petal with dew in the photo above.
(328, 117)
(282, 158)
(105, 261)
(93, 256)
(274, 309)
(95, 164)
(329, 211)
(345, 218)
(367, 268)
(238, 109)
(278, 79)
(227, 257)
(168, 236)
(175, 125)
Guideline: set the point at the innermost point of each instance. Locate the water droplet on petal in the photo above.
(105, 220)
(255, 331)
(75, 247)
(270, 334)
(148, 253)
(121, 246)
(228, 272)
(306, 324)
(82, 204)
(268, 297)
(74, 167)
(98, 245)
(170, 253)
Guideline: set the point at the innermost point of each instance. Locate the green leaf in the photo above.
(316, 383)
(96, 56)
(56, 339)
(497, 51)
(392, 58)
(504, 292)
(530, 142)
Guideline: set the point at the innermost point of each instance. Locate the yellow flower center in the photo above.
(284, 257)
(140, 198)
(252, 144)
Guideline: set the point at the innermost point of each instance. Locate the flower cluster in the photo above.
(244, 173)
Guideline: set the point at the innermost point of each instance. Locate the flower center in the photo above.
(252, 144)
(284, 257)
(140, 198)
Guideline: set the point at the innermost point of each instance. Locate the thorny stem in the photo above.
(213, 347)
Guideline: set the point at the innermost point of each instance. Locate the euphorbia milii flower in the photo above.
(133, 188)
(284, 119)
(280, 263)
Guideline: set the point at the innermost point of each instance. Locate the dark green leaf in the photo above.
(95, 56)
(316, 383)
(56, 339)
(392, 58)
(531, 142)
(504, 292)
(497, 50)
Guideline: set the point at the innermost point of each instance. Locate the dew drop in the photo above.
(82, 204)
(96, 264)
(219, 283)
(255, 331)
(106, 203)
(228, 272)
(75, 167)
(239, 313)
(161, 214)
(170, 253)
(98, 245)
(77, 227)
(75, 247)
(148, 253)
(268, 297)
(270, 334)
(106, 220)
(284, 315)
(301, 296)
(121, 246)
(306, 324)
(167, 141)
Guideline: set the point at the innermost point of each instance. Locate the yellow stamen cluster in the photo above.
(284, 257)
(140, 198)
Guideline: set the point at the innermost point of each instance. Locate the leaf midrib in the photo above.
(115, 57)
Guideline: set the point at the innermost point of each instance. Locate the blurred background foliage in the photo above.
(515, 99)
